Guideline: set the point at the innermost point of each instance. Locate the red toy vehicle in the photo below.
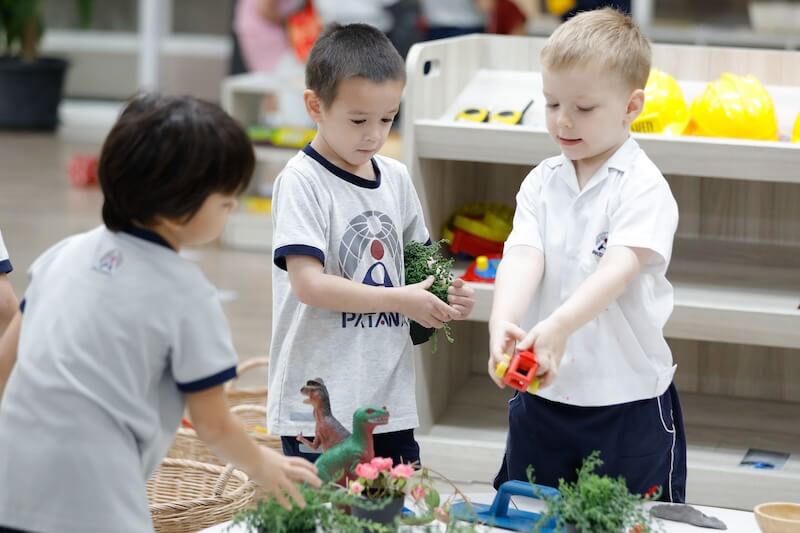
(519, 372)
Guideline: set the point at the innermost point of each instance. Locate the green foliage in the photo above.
(422, 261)
(323, 508)
(21, 24)
(597, 503)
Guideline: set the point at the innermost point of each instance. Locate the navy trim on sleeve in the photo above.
(22, 306)
(296, 249)
(5, 266)
(342, 173)
(210, 381)
(148, 235)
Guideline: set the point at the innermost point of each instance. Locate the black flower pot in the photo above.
(385, 515)
(30, 93)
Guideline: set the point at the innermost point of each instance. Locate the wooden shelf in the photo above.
(527, 145)
(719, 431)
(716, 302)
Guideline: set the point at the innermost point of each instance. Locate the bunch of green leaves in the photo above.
(595, 503)
(22, 27)
(324, 508)
(422, 261)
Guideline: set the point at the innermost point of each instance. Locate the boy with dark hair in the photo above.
(117, 334)
(342, 215)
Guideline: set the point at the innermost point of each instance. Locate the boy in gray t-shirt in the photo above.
(118, 333)
(342, 215)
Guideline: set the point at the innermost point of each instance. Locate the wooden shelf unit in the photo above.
(735, 331)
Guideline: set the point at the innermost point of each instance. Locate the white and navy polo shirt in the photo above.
(620, 356)
(357, 229)
(5, 260)
(116, 328)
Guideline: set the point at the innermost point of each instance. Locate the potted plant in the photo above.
(422, 261)
(30, 86)
(597, 504)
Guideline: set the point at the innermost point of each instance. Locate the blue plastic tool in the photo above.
(499, 515)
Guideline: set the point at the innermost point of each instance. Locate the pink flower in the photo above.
(356, 488)
(418, 492)
(402, 471)
(383, 464)
(441, 514)
(367, 471)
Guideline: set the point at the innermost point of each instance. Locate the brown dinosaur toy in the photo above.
(328, 432)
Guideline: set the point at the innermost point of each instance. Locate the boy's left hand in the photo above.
(548, 339)
(461, 297)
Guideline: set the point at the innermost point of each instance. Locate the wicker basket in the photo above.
(187, 496)
(247, 396)
(187, 445)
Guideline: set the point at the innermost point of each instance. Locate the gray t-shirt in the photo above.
(116, 326)
(357, 229)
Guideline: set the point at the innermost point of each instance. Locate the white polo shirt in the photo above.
(5, 262)
(116, 328)
(620, 356)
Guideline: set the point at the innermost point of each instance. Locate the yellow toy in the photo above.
(734, 106)
(473, 114)
(665, 109)
(796, 130)
(559, 7)
(510, 117)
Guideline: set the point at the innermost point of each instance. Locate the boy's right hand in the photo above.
(425, 308)
(278, 475)
(503, 336)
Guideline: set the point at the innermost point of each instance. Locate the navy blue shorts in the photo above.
(399, 445)
(642, 441)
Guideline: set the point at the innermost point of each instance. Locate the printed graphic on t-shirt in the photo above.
(370, 254)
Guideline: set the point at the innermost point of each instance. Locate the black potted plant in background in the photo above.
(31, 86)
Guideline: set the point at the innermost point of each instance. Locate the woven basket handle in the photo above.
(253, 362)
(222, 480)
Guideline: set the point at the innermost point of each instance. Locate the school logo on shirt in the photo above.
(600, 244)
(370, 253)
(109, 262)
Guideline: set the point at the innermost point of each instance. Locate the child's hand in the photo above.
(548, 339)
(424, 307)
(278, 475)
(462, 297)
(503, 336)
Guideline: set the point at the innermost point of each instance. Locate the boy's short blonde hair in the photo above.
(603, 38)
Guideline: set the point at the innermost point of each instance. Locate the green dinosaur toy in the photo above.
(343, 458)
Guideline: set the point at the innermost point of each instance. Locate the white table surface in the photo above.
(737, 521)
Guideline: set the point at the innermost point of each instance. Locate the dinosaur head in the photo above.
(315, 391)
(369, 417)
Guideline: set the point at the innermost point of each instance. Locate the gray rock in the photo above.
(686, 514)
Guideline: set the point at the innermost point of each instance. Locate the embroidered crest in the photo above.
(109, 262)
(600, 244)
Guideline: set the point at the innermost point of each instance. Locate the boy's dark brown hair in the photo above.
(165, 155)
(351, 51)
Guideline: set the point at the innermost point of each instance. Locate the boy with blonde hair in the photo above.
(585, 265)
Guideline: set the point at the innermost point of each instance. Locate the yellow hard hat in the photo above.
(735, 106)
(664, 107)
(796, 130)
(559, 7)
